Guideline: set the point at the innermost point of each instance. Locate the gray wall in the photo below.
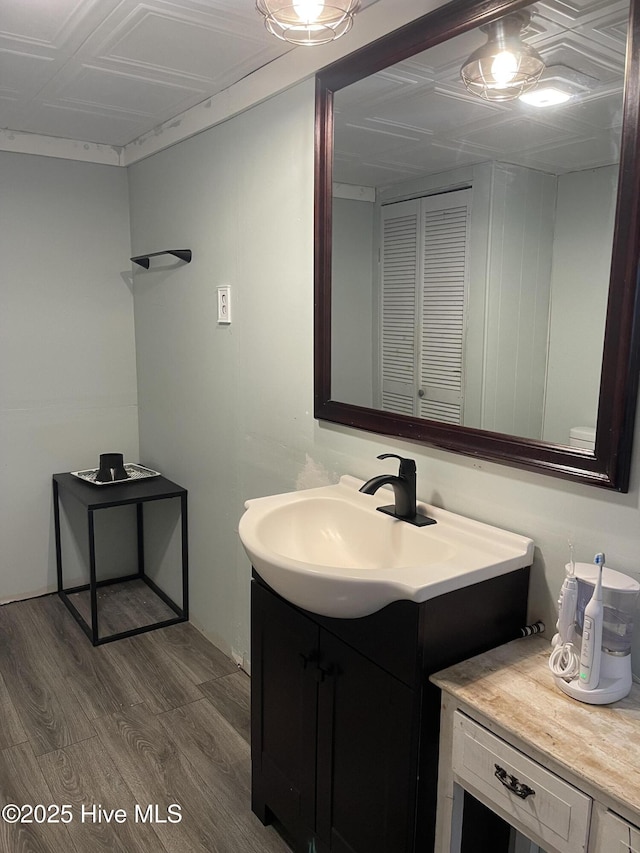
(352, 327)
(579, 286)
(228, 412)
(518, 276)
(68, 379)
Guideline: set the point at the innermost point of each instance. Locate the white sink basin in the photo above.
(330, 552)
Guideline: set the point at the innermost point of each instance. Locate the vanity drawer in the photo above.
(618, 836)
(554, 813)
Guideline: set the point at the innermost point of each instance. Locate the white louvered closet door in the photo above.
(445, 245)
(400, 263)
(423, 300)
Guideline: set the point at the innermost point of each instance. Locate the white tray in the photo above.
(135, 472)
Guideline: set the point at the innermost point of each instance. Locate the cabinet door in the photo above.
(615, 835)
(284, 646)
(366, 759)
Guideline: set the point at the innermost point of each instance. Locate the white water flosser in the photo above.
(568, 602)
(564, 661)
(591, 652)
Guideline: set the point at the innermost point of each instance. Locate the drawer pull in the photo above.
(512, 784)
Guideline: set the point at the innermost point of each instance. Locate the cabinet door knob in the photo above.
(323, 672)
(312, 657)
(512, 784)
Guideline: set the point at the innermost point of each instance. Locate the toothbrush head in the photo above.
(599, 560)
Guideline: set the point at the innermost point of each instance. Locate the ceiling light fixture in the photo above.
(557, 85)
(504, 67)
(308, 22)
(545, 96)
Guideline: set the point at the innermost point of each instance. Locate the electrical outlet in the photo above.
(224, 304)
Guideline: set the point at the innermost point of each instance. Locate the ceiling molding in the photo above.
(64, 149)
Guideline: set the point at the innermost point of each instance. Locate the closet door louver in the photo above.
(424, 285)
(444, 289)
(399, 269)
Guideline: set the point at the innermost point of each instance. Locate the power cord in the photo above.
(564, 661)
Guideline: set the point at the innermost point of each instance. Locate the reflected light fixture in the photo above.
(504, 67)
(308, 22)
(545, 96)
(557, 85)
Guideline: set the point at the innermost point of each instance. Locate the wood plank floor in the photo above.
(160, 720)
(122, 607)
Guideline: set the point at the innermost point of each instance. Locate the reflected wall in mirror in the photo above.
(462, 289)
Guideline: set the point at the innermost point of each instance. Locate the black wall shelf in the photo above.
(182, 254)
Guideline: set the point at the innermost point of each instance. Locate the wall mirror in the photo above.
(476, 258)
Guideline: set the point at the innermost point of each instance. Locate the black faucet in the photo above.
(404, 490)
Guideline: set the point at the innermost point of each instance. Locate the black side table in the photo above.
(94, 498)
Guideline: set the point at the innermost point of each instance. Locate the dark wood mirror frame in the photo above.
(610, 464)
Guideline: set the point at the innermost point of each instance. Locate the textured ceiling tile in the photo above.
(37, 20)
(172, 45)
(23, 74)
(59, 24)
(108, 89)
(88, 126)
(519, 133)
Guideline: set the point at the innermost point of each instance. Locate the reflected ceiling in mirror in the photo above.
(464, 246)
(416, 118)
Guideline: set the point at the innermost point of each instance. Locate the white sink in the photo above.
(330, 552)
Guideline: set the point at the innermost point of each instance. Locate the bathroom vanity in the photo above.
(344, 720)
(351, 611)
(565, 775)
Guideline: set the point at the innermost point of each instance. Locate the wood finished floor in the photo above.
(123, 606)
(155, 719)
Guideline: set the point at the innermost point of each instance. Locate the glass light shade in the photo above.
(308, 22)
(504, 67)
(545, 96)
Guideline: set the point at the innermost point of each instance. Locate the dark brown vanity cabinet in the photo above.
(344, 722)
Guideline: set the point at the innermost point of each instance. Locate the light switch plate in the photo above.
(224, 304)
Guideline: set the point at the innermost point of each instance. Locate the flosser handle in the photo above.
(591, 651)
